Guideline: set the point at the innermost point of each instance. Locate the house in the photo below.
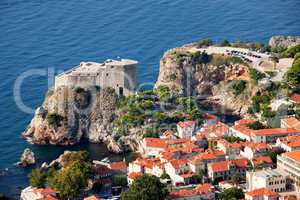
(270, 135)
(255, 149)
(295, 98)
(290, 122)
(118, 167)
(132, 176)
(143, 165)
(209, 119)
(214, 131)
(31, 193)
(261, 194)
(262, 162)
(232, 150)
(290, 163)
(153, 146)
(290, 143)
(199, 162)
(202, 191)
(93, 197)
(273, 179)
(186, 129)
(241, 131)
(225, 170)
(179, 171)
(102, 176)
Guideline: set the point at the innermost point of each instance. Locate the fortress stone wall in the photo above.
(118, 74)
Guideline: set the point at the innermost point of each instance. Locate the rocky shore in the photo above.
(68, 115)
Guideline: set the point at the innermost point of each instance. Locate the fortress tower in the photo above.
(118, 74)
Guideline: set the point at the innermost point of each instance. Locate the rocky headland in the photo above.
(69, 115)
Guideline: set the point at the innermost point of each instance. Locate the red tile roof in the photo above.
(295, 98)
(294, 155)
(225, 165)
(199, 190)
(291, 141)
(49, 197)
(258, 146)
(155, 143)
(243, 122)
(275, 131)
(292, 122)
(262, 192)
(179, 162)
(262, 160)
(118, 165)
(44, 191)
(134, 175)
(93, 197)
(186, 124)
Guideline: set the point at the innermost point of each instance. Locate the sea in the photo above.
(39, 38)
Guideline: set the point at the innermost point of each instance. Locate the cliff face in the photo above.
(67, 116)
(284, 41)
(180, 71)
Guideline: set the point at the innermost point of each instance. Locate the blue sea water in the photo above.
(58, 34)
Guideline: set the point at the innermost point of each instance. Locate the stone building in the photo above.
(118, 74)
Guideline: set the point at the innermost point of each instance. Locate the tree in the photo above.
(237, 178)
(256, 125)
(232, 194)
(256, 75)
(70, 180)
(145, 187)
(165, 176)
(37, 178)
(225, 43)
(120, 181)
(196, 179)
(238, 86)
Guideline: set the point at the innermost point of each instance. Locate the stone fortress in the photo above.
(117, 74)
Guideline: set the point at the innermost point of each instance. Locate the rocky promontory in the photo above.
(228, 75)
(284, 41)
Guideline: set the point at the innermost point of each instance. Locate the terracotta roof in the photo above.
(295, 98)
(178, 163)
(275, 131)
(186, 124)
(200, 189)
(118, 165)
(214, 130)
(242, 129)
(155, 142)
(93, 197)
(258, 146)
(134, 175)
(225, 165)
(147, 162)
(262, 160)
(294, 155)
(187, 175)
(262, 192)
(44, 191)
(49, 197)
(291, 141)
(101, 169)
(243, 122)
(292, 122)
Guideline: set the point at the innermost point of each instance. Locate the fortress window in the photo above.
(107, 74)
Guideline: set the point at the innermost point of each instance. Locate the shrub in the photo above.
(120, 181)
(53, 118)
(256, 125)
(37, 178)
(225, 43)
(205, 42)
(200, 57)
(238, 86)
(78, 89)
(256, 75)
(292, 51)
(172, 77)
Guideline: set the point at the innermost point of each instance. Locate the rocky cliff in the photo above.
(69, 115)
(284, 41)
(185, 71)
